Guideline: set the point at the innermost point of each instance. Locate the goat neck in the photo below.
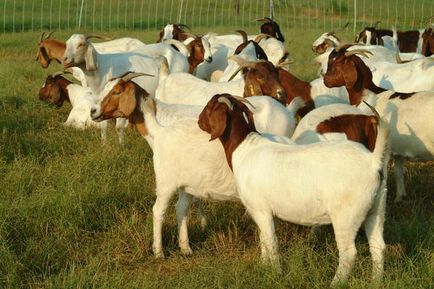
(236, 131)
(363, 82)
(295, 87)
(63, 84)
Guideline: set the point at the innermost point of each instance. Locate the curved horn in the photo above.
(130, 75)
(225, 100)
(286, 62)
(189, 34)
(181, 25)
(265, 20)
(345, 26)
(376, 23)
(245, 64)
(363, 52)
(97, 36)
(260, 37)
(243, 34)
(244, 100)
(49, 35)
(42, 36)
(374, 111)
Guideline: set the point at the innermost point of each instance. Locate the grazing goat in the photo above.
(275, 179)
(57, 89)
(412, 136)
(204, 174)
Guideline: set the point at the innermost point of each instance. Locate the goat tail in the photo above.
(164, 69)
(381, 153)
(149, 108)
(181, 47)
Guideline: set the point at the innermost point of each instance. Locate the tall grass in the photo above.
(75, 213)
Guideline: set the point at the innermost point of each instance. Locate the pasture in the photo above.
(75, 213)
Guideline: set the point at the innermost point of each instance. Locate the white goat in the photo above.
(408, 114)
(203, 174)
(335, 182)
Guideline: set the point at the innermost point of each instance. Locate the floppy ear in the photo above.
(90, 58)
(217, 121)
(128, 101)
(252, 88)
(350, 75)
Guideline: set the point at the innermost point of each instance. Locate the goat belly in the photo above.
(304, 184)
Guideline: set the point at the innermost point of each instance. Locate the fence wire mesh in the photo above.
(107, 15)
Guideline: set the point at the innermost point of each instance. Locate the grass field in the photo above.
(77, 214)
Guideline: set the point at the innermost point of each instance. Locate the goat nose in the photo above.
(93, 111)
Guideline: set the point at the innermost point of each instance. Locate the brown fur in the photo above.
(54, 90)
(263, 79)
(178, 33)
(272, 28)
(351, 72)
(197, 53)
(407, 40)
(48, 50)
(358, 128)
(226, 124)
(123, 101)
(428, 42)
(296, 87)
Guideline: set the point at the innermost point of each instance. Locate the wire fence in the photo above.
(107, 15)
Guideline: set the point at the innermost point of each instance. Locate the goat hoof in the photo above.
(159, 255)
(186, 251)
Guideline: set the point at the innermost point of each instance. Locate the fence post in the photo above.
(180, 11)
(355, 17)
(271, 9)
(81, 12)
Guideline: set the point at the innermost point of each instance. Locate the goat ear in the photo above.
(252, 88)
(217, 120)
(350, 75)
(90, 58)
(128, 101)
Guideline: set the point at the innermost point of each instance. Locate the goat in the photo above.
(271, 179)
(407, 41)
(259, 78)
(174, 31)
(203, 174)
(408, 77)
(271, 28)
(57, 89)
(99, 68)
(50, 49)
(412, 137)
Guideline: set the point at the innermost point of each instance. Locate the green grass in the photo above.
(78, 214)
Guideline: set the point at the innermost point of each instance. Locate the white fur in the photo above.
(322, 183)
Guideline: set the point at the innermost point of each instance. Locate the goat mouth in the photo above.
(97, 118)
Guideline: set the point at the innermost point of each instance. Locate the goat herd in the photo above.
(311, 153)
